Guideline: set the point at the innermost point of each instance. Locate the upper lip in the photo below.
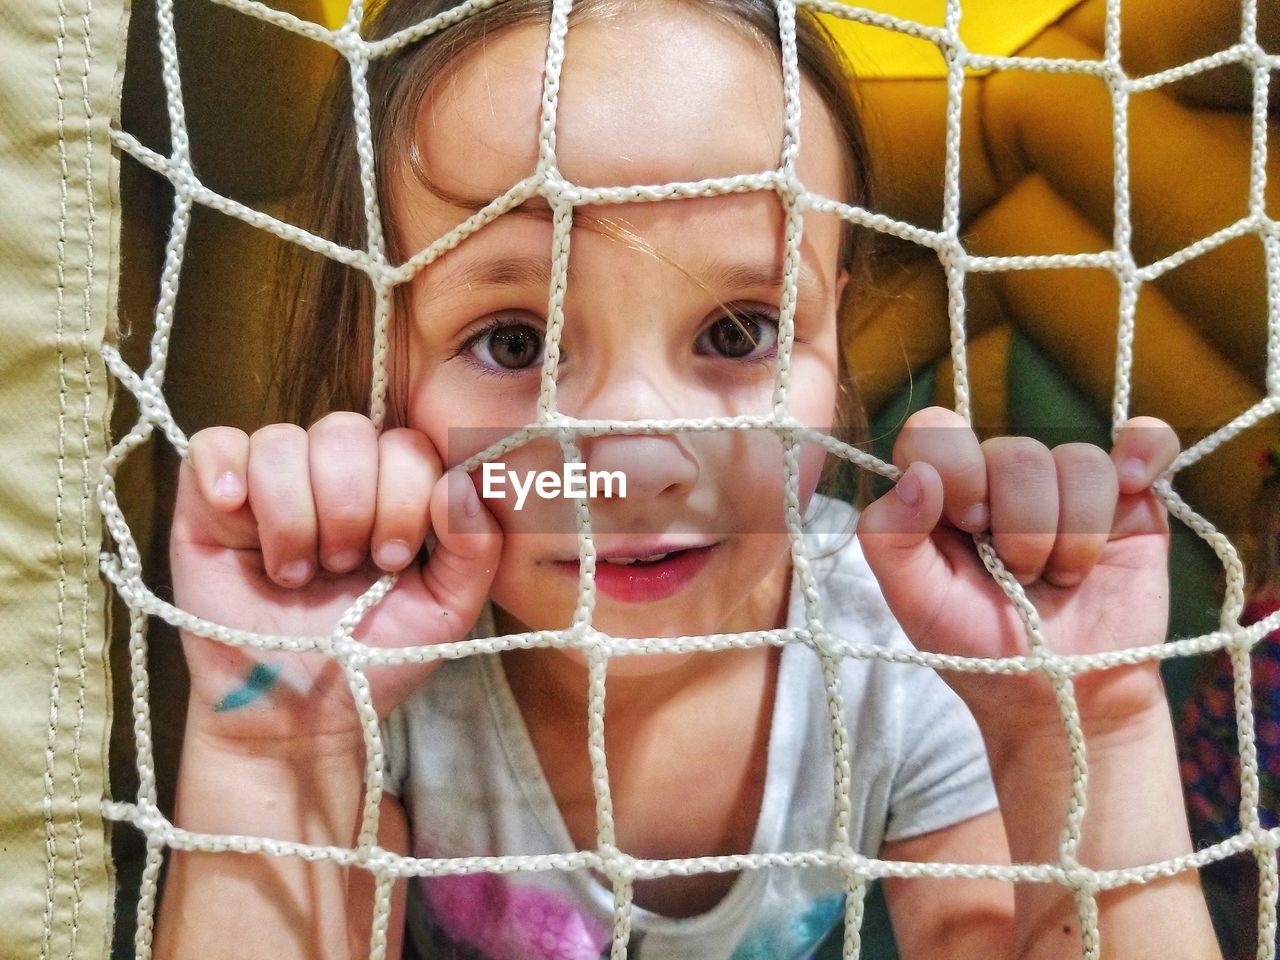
(639, 549)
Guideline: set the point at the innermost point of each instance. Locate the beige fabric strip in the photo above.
(57, 271)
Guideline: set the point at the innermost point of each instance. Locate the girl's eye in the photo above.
(740, 336)
(507, 345)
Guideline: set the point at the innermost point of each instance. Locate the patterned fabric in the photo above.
(501, 920)
(1210, 759)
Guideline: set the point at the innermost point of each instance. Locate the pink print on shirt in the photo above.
(506, 921)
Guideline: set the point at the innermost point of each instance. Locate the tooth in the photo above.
(627, 561)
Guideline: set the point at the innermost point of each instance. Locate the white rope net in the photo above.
(123, 567)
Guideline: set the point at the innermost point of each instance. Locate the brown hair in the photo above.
(326, 308)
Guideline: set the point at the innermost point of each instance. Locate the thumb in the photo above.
(894, 532)
(460, 569)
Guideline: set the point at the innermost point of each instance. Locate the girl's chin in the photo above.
(626, 621)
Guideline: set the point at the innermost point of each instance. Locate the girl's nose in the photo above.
(653, 465)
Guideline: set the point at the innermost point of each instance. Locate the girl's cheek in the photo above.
(462, 416)
(508, 488)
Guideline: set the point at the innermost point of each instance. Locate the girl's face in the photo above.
(661, 93)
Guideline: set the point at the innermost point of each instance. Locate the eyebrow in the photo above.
(507, 272)
(734, 275)
(718, 276)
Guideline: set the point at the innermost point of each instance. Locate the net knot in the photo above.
(1115, 77)
(348, 42)
(1261, 839)
(380, 861)
(381, 273)
(1078, 877)
(952, 254)
(952, 48)
(554, 188)
(1255, 56)
(819, 640)
(791, 191)
(850, 860)
(615, 864)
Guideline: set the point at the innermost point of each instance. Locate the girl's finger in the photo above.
(344, 482)
(220, 458)
(199, 523)
(908, 553)
(408, 468)
(1024, 503)
(462, 563)
(280, 496)
(941, 438)
(897, 526)
(1143, 450)
(1087, 489)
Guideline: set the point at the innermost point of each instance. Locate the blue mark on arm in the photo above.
(260, 680)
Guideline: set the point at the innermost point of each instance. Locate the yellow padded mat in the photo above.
(995, 27)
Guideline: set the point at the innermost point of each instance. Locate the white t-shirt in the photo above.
(461, 760)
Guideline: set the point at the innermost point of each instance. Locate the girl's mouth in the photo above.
(645, 579)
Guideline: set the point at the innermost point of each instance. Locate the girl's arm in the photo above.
(247, 906)
(958, 919)
(1088, 540)
(280, 533)
(1134, 816)
(1130, 821)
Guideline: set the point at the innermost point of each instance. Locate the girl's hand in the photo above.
(1081, 530)
(279, 532)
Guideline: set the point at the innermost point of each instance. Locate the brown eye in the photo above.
(509, 346)
(739, 336)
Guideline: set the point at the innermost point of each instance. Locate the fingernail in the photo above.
(345, 561)
(464, 503)
(228, 486)
(295, 573)
(909, 490)
(393, 555)
(1133, 471)
(975, 517)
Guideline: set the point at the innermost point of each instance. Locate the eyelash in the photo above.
(760, 315)
(463, 352)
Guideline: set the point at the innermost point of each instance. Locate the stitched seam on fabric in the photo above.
(55, 685)
(82, 664)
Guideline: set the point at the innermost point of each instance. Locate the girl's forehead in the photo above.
(657, 94)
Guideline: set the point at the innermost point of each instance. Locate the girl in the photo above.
(671, 310)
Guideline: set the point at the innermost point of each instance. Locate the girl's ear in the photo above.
(842, 281)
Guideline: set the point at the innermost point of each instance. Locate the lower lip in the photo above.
(632, 583)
